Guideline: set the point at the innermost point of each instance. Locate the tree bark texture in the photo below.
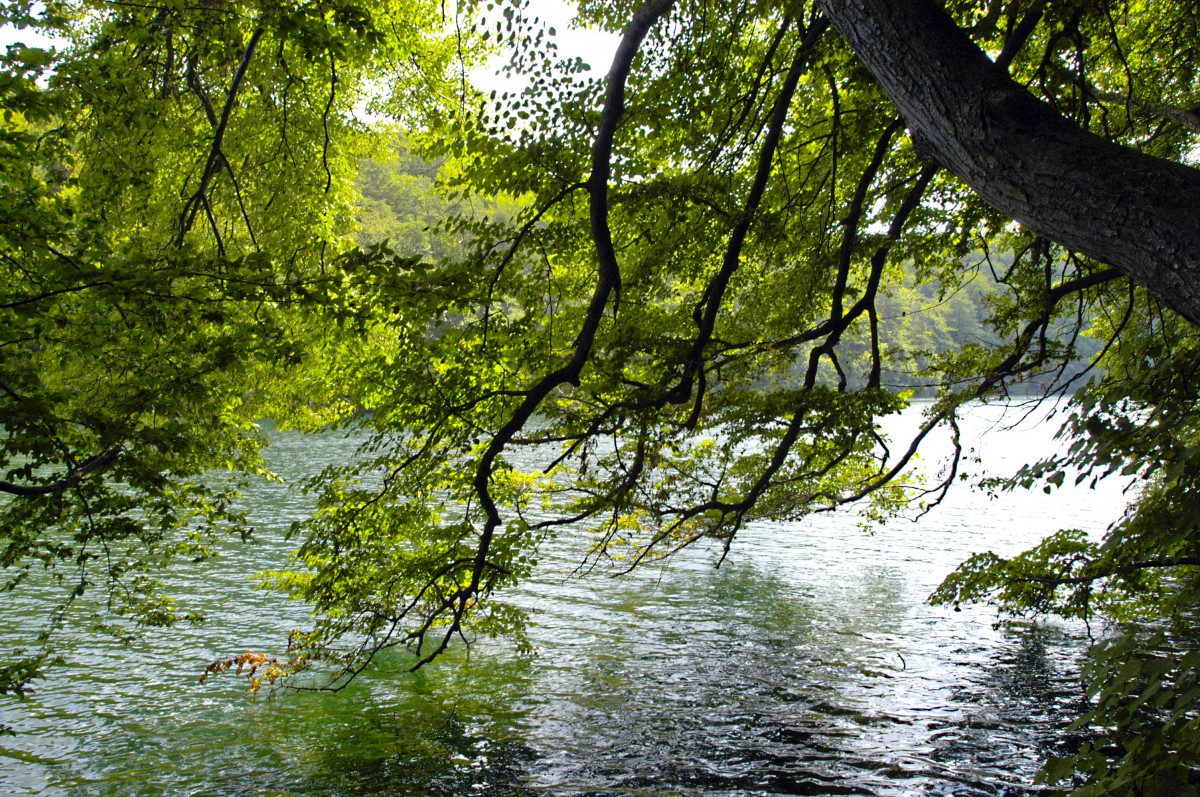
(1138, 213)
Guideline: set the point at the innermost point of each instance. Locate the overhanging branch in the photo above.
(1091, 195)
(72, 479)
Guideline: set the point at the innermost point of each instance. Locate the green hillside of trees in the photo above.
(403, 204)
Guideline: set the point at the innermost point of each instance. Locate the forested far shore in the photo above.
(403, 205)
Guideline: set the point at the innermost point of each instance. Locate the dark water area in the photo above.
(807, 664)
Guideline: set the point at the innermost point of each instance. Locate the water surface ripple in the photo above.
(807, 664)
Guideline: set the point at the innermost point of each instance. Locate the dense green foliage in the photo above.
(173, 221)
(649, 308)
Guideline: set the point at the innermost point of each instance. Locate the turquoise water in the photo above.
(807, 664)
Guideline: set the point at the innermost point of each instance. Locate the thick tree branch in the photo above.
(1020, 34)
(1129, 210)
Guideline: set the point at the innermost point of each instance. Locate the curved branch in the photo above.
(515, 244)
(607, 284)
(72, 479)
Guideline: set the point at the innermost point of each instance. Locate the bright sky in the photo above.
(596, 48)
(10, 35)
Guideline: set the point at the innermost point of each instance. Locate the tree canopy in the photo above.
(667, 287)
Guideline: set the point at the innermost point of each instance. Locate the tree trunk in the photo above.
(1138, 213)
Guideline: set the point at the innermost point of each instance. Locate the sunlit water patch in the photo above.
(807, 664)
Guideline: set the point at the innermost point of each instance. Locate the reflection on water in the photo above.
(807, 664)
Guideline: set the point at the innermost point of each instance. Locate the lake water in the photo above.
(807, 664)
